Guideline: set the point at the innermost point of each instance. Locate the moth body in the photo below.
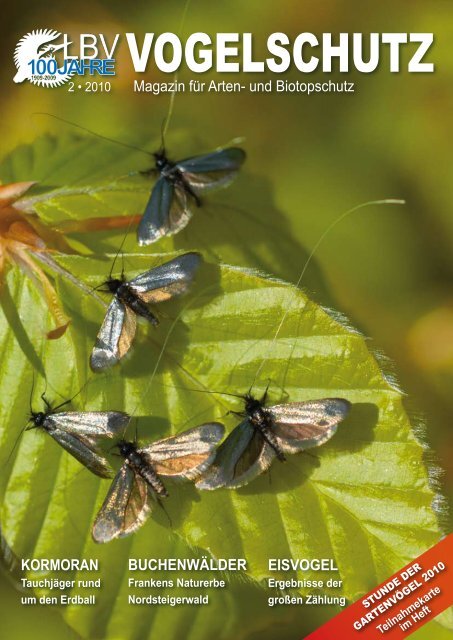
(262, 421)
(81, 432)
(179, 188)
(128, 503)
(136, 461)
(129, 297)
(169, 170)
(266, 433)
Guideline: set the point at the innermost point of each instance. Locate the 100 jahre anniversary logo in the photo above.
(44, 57)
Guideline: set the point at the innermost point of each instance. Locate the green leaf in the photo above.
(364, 498)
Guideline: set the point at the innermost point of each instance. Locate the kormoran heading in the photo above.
(60, 564)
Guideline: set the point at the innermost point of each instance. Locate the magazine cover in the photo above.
(226, 320)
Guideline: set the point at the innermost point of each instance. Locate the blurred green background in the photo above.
(389, 269)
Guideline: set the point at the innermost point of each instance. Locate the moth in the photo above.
(79, 432)
(130, 497)
(131, 299)
(178, 189)
(273, 432)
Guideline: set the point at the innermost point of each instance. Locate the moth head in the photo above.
(126, 448)
(161, 159)
(251, 403)
(36, 420)
(113, 284)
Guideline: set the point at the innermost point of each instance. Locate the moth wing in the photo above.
(187, 454)
(97, 424)
(125, 508)
(240, 458)
(167, 280)
(181, 210)
(169, 209)
(301, 425)
(213, 170)
(229, 158)
(115, 336)
(154, 222)
(83, 448)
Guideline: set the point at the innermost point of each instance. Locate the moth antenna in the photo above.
(125, 429)
(65, 402)
(136, 432)
(239, 414)
(93, 133)
(43, 396)
(263, 399)
(163, 128)
(210, 391)
(122, 265)
(16, 442)
(46, 402)
(99, 288)
(120, 250)
(332, 225)
(85, 384)
(31, 391)
(166, 121)
(223, 393)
